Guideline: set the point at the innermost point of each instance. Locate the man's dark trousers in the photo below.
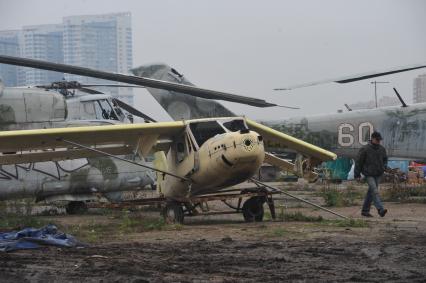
(372, 194)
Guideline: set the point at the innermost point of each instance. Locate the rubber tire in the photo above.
(76, 207)
(253, 209)
(173, 213)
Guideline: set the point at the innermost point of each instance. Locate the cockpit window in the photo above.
(117, 110)
(202, 131)
(104, 110)
(235, 125)
(87, 111)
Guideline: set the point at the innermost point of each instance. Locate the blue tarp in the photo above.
(339, 168)
(400, 164)
(31, 238)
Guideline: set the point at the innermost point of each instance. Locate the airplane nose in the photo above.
(249, 149)
(248, 143)
(244, 149)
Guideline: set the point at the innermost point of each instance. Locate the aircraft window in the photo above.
(180, 149)
(117, 110)
(98, 111)
(203, 131)
(235, 125)
(105, 110)
(87, 110)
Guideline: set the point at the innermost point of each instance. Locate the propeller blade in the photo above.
(141, 81)
(132, 110)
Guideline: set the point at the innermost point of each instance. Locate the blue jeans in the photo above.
(372, 194)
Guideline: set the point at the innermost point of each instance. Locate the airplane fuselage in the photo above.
(403, 130)
(223, 160)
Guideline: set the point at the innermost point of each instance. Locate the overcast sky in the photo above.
(251, 47)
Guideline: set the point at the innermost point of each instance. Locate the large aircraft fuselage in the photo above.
(403, 130)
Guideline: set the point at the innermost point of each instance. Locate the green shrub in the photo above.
(338, 198)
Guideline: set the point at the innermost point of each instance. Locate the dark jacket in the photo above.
(371, 161)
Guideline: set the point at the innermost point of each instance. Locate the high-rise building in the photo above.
(102, 42)
(42, 42)
(10, 45)
(419, 89)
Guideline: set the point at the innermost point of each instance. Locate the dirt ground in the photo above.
(225, 249)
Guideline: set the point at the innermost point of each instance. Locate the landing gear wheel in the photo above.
(173, 213)
(253, 209)
(76, 207)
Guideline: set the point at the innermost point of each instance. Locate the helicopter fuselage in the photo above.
(79, 179)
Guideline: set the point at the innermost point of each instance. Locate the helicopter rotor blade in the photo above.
(141, 81)
(358, 77)
(89, 90)
(111, 85)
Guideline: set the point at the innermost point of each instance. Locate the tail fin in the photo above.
(178, 105)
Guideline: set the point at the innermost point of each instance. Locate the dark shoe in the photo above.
(366, 214)
(383, 212)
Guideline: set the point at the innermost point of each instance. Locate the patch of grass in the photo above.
(154, 224)
(396, 193)
(294, 216)
(338, 198)
(16, 221)
(278, 232)
(332, 198)
(403, 193)
(355, 223)
(91, 232)
(298, 216)
(124, 223)
(138, 223)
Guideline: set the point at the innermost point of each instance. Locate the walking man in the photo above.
(371, 162)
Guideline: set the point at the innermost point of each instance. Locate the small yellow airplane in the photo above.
(193, 158)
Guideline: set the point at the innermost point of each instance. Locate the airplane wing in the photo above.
(25, 146)
(140, 81)
(308, 155)
(358, 77)
(276, 139)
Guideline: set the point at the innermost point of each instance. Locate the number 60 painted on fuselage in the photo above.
(346, 134)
